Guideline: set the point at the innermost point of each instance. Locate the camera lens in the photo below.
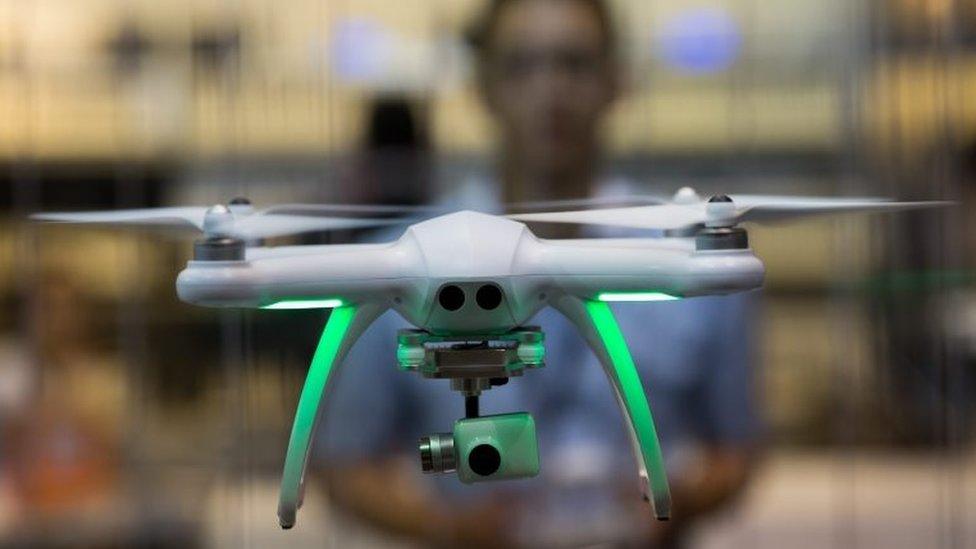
(437, 453)
(484, 459)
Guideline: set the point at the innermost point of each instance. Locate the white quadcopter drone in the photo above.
(470, 282)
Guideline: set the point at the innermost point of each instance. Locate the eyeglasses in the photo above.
(573, 63)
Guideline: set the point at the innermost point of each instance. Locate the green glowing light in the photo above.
(323, 363)
(305, 304)
(637, 296)
(635, 400)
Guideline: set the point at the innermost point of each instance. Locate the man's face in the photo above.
(548, 79)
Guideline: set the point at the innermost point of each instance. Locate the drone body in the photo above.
(469, 282)
(418, 275)
(470, 274)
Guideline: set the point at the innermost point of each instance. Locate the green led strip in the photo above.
(637, 296)
(305, 304)
(299, 445)
(635, 400)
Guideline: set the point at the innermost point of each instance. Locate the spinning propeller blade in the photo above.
(265, 225)
(188, 217)
(588, 202)
(325, 209)
(221, 221)
(722, 211)
(662, 217)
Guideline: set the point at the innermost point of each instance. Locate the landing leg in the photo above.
(599, 328)
(344, 326)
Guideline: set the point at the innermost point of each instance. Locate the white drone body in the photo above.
(468, 250)
(474, 274)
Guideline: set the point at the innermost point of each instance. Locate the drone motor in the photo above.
(218, 243)
(721, 232)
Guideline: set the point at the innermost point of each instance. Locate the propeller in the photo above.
(187, 217)
(236, 220)
(328, 209)
(601, 201)
(689, 211)
(685, 195)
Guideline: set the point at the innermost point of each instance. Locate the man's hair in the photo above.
(480, 32)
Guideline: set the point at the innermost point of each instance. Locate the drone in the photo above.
(469, 283)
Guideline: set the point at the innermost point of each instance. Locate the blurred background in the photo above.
(130, 419)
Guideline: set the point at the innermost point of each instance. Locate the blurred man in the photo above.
(548, 73)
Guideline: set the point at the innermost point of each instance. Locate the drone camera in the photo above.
(481, 449)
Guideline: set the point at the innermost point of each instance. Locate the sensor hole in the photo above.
(489, 297)
(451, 297)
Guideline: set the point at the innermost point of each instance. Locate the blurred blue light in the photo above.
(360, 50)
(701, 41)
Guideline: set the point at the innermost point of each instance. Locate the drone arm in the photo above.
(588, 268)
(350, 274)
(599, 328)
(343, 328)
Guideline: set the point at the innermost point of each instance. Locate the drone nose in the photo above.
(453, 297)
(469, 306)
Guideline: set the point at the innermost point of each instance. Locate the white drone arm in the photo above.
(590, 268)
(344, 275)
